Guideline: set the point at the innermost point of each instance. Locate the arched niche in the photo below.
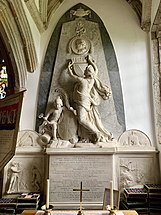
(47, 73)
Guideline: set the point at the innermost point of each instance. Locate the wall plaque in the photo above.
(67, 171)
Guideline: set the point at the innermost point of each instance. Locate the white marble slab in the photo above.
(67, 171)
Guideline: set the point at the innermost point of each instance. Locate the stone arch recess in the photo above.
(17, 33)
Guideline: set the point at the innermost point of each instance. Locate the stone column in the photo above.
(156, 78)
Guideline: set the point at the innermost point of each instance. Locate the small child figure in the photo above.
(54, 115)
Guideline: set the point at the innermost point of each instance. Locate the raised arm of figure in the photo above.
(70, 67)
(92, 63)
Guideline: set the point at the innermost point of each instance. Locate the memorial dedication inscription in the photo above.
(67, 171)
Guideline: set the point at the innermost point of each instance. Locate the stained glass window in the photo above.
(7, 77)
(3, 79)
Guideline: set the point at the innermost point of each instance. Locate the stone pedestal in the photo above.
(95, 168)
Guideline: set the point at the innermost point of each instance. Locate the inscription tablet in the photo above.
(67, 171)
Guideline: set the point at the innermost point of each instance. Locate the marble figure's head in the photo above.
(58, 103)
(89, 72)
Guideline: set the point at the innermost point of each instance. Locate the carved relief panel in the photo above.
(24, 174)
(25, 171)
(138, 170)
(134, 138)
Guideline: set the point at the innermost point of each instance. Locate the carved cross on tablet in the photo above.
(81, 192)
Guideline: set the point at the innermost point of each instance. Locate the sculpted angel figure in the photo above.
(87, 91)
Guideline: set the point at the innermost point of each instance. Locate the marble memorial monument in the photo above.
(80, 129)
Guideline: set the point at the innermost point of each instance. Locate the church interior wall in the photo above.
(131, 46)
(132, 49)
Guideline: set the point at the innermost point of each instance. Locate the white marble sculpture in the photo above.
(86, 94)
(136, 171)
(52, 118)
(86, 97)
(24, 173)
(14, 178)
(49, 128)
(91, 117)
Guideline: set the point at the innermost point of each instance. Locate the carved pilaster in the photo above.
(156, 60)
(156, 76)
(156, 86)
